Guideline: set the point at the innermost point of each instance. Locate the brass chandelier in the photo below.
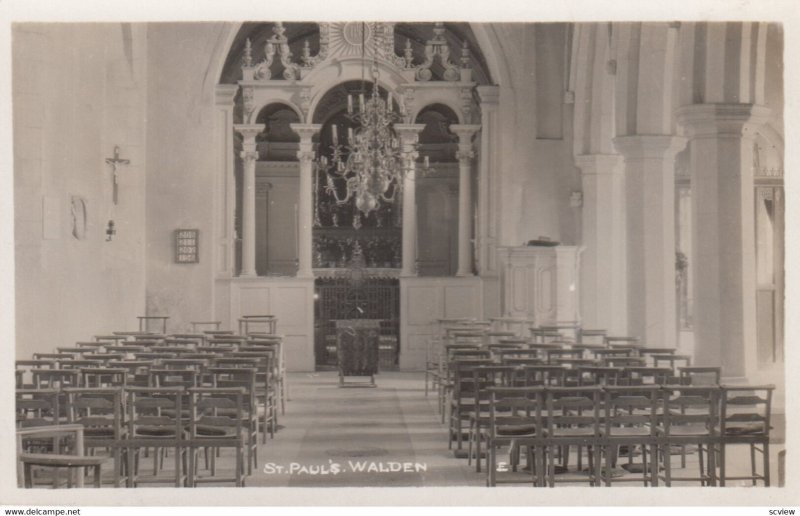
(369, 160)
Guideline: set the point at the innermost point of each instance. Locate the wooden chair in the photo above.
(144, 320)
(598, 375)
(573, 419)
(55, 378)
(690, 416)
(630, 419)
(484, 377)
(201, 324)
(103, 377)
(80, 363)
(37, 407)
(100, 411)
(592, 336)
(616, 341)
(275, 344)
(245, 378)
(671, 360)
(217, 416)
(154, 421)
(270, 322)
(462, 398)
(110, 338)
(66, 445)
(700, 375)
(23, 376)
(267, 384)
(516, 421)
(746, 412)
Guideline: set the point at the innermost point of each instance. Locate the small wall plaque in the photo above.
(186, 245)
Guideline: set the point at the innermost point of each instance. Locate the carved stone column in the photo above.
(489, 169)
(305, 206)
(464, 156)
(409, 136)
(721, 139)
(650, 213)
(249, 156)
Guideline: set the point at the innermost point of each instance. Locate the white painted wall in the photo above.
(78, 90)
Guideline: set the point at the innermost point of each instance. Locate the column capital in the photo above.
(596, 164)
(248, 156)
(649, 146)
(465, 132)
(305, 131)
(489, 95)
(248, 131)
(224, 94)
(722, 120)
(408, 132)
(305, 155)
(464, 156)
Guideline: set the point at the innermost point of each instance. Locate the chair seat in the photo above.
(155, 431)
(215, 431)
(686, 430)
(97, 432)
(748, 429)
(629, 431)
(574, 432)
(516, 430)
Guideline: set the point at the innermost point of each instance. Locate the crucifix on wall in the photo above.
(115, 162)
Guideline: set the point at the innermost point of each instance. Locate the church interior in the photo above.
(419, 254)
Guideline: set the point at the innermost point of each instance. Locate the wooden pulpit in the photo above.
(357, 348)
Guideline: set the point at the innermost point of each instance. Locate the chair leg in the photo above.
(722, 464)
(653, 465)
(765, 453)
(492, 464)
(700, 460)
(712, 467)
(478, 450)
(753, 462)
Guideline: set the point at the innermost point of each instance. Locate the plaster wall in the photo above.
(77, 92)
(182, 168)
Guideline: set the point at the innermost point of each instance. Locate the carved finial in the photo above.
(306, 52)
(408, 53)
(465, 55)
(438, 31)
(248, 53)
(279, 29)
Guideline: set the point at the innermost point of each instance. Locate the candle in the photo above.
(402, 101)
(349, 104)
(389, 101)
(334, 135)
(350, 135)
(427, 162)
(361, 101)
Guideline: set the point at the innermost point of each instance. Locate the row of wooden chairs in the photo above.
(125, 420)
(545, 420)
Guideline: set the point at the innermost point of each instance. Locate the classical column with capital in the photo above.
(409, 136)
(305, 208)
(650, 214)
(465, 154)
(488, 172)
(249, 157)
(721, 139)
